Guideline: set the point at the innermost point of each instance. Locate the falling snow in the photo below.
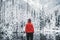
(45, 15)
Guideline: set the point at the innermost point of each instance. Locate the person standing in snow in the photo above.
(29, 29)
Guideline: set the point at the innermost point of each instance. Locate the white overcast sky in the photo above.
(45, 3)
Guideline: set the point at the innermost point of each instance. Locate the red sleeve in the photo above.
(32, 27)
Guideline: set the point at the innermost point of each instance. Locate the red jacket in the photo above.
(29, 28)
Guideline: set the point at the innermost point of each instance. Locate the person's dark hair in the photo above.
(29, 20)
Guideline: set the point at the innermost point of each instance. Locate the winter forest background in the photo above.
(45, 15)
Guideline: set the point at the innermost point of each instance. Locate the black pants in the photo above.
(29, 36)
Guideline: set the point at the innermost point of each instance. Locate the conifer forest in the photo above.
(45, 16)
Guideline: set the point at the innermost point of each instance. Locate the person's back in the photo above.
(29, 28)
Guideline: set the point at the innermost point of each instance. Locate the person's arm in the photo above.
(33, 28)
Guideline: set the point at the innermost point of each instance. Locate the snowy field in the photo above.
(45, 16)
